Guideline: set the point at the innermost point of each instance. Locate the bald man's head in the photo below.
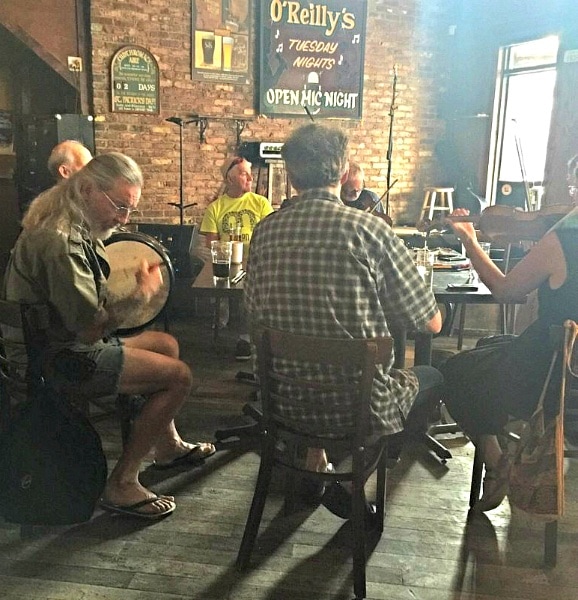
(67, 158)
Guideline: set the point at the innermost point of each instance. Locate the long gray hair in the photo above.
(62, 206)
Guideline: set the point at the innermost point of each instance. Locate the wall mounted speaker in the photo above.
(511, 193)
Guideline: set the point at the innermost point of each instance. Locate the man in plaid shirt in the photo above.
(321, 268)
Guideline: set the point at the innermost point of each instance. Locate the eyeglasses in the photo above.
(125, 211)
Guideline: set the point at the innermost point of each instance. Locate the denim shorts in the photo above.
(86, 370)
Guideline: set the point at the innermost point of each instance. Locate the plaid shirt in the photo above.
(320, 268)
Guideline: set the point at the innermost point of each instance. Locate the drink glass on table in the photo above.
(424, 261)
(221, 257)
(237, 256)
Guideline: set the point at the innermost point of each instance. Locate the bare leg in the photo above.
(169, 445)
(495, 485)
(167, 381)
(155, 341)
(316, 459)
(491, 451)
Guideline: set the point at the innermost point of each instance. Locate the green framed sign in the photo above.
(134, 79)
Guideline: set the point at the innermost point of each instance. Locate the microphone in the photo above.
(313, 81)
(175, 120)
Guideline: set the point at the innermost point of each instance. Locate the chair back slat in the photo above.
(314, 385)
(335, 351)
(357, 356)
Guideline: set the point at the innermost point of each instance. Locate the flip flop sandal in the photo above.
(193, 458)
(132, 510)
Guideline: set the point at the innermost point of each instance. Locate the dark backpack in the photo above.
(52, 466)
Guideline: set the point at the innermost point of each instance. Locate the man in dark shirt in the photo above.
(355, 194)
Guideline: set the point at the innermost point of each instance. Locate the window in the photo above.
(521, 122)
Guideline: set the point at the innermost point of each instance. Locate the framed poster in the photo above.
(134, 81)
(312, 58)
(221, 38)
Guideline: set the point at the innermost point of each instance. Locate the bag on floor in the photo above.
(536, 482)
(537, 473)
(52, 466)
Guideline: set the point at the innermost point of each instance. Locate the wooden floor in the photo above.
(429, 550)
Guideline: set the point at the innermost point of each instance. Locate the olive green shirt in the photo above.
(54, 268)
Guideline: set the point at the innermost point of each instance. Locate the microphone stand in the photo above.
(390, 141)
(181, 204)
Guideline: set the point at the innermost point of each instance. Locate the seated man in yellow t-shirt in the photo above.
(237, 209)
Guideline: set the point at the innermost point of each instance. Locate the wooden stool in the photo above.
(437, 199)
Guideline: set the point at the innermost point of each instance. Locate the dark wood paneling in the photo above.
(51, 24)
(53, 31)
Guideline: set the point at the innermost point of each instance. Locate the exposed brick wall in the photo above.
(403, 32)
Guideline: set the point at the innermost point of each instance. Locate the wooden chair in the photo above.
(15, 380)
(563, 346)
(13, 354)
(362, 355)
(33, 320)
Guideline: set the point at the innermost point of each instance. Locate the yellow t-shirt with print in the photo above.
(225, 214)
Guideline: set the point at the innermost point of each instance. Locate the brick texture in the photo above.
(408, 33)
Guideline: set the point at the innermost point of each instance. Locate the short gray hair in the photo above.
(315, 156)
(64, 153)
(355, 169)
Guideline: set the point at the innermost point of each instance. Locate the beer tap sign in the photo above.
(221, 41)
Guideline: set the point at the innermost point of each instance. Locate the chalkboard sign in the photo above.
(134, 81)
(312, 56)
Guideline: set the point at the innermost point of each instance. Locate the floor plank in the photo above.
(428, 551)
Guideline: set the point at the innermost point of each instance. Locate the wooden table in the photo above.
(450, 298)
(423, 340)
(205, 285)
